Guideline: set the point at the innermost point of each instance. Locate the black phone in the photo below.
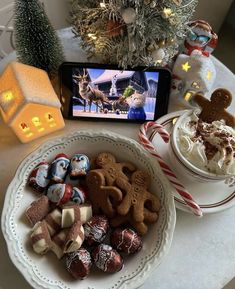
(106, 92)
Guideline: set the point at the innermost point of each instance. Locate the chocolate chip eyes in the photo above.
(213, 113)
(226, 98)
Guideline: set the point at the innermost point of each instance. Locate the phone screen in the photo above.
(114, 94)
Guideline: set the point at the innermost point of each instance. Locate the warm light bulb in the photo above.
(41, 129)
(91, 35)
(174, 120)
(29, 135)
(49, 117)
(188, 96)
(24, 127)
(167, 12)
(36, 121)
(102, 5)
(7, 96)
(195, 85)
(159, 61)
(209, 75)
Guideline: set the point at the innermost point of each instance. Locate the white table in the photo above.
(202, 255)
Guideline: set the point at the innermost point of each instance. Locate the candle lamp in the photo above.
(28, 102)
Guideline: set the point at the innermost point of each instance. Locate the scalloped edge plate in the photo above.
(38, 271)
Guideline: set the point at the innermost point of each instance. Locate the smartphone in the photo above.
(105, 92)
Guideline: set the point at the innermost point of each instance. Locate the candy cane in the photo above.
(188, 199)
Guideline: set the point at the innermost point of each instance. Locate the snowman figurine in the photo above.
(200, 37)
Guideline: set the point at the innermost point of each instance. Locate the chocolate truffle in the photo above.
(96, 230)
(78, 263)
(126, 240)
(107, 259)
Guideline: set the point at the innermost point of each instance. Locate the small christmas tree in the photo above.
(37, 43)
(132, 32)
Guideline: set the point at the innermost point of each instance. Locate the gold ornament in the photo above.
(162, 43)
(129, 15)
(170, 41)
(158, 55)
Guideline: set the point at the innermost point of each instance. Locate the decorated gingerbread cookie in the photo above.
(100, 195)
(136, 195)
(215, 108)
(112, 170)
(140, 227)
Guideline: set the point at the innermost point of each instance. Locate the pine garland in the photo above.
(37, 43)
(132, 32)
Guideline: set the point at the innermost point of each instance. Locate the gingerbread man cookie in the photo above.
(140, 227)
(100, 194)
(136, 196)
(111, 169)
(215, 109)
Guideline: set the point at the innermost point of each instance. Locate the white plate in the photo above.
(211, 197)
(47, 271)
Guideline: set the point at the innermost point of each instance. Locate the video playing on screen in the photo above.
(116, 94)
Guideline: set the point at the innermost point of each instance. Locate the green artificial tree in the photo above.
(132, 32)
(37, 43)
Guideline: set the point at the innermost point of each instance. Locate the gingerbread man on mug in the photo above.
(215, 108)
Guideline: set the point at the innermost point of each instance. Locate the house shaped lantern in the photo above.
(193, 74)
(28, 102)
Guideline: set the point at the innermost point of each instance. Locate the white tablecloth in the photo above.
(202, 255)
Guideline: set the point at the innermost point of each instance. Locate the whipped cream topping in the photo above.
(208, 146)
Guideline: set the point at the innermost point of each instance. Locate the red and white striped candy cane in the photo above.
(188, 199)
